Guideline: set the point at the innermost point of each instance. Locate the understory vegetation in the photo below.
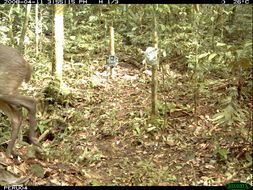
(98, 131)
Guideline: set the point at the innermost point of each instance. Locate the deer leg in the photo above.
(16, 119)
(30, 104)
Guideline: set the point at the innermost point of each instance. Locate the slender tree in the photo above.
(59, 37)
(24, 29)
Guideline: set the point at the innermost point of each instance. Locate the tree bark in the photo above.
(24, 29)
(59, 37)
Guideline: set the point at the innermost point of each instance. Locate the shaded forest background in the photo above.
(98, 131)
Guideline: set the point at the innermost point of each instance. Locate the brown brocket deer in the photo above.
(13, 71)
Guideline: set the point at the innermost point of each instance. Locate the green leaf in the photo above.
(151, 129)
(172, 178)
(171, 106)
(220, 44)
(163, 28)
(222, 152)
(37, 170)
(249, 43)
(228, 54)
(218, 116)
(211, 56)
(203, 55)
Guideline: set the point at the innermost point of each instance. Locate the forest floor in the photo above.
(108, 138)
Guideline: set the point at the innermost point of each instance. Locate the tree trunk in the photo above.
(10, 26)
(59, 37)
(36, 29)
(154, 74)
(24, 29)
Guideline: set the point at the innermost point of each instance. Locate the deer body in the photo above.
(13, 71)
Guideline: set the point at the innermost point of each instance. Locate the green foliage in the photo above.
(42, 125)
(222, 153)
(89, 156)
(232, 111)
(211, 49)
(37, 170)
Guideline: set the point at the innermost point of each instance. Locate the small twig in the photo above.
(5, 142)
(44, 135)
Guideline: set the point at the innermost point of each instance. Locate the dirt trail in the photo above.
(114, 142)
(128, 157)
